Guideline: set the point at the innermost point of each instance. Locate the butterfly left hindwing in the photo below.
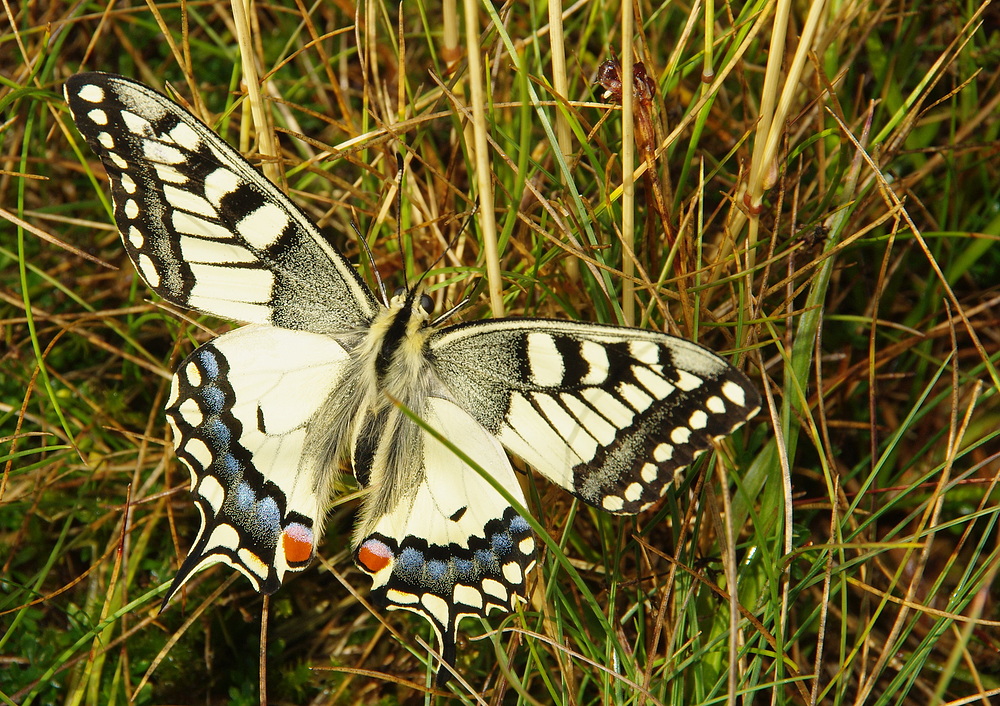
(241, 407)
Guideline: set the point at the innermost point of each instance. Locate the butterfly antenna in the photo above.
(451, 312)
(399, 215)
(399, 229)
(371, 261)
(451, 243)
(464, 302)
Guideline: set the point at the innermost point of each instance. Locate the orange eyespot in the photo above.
(297, 541)
(373, 556)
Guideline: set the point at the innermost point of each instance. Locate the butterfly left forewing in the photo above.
(203, 227)
(609, 413)
(449, 545)
(242, 407)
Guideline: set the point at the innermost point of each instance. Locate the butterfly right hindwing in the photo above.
(452, 546)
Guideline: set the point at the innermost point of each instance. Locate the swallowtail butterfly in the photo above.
(265, 415)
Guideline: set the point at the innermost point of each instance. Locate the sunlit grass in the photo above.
(831, 183)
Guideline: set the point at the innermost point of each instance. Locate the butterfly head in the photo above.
(416, 300)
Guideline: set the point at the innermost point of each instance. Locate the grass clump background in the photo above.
(816, 196)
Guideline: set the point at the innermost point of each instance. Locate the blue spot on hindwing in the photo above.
(260, 517)
(410, 564)
(244, 496)
(436, 570)
(465, 570)
(519, 525)
(208, 363)
(227, 466)
(218, 434)
(269, 515)
(213, 399)
(502, 543)
(486, 561)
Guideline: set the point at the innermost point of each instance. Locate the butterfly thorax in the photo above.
(392, 375)
(396, 345)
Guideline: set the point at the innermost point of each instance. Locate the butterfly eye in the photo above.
(426, 303)
(399, 291)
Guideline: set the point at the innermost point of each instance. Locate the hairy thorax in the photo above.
(388, 381)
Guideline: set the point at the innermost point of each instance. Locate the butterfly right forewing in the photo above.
(609, 413)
